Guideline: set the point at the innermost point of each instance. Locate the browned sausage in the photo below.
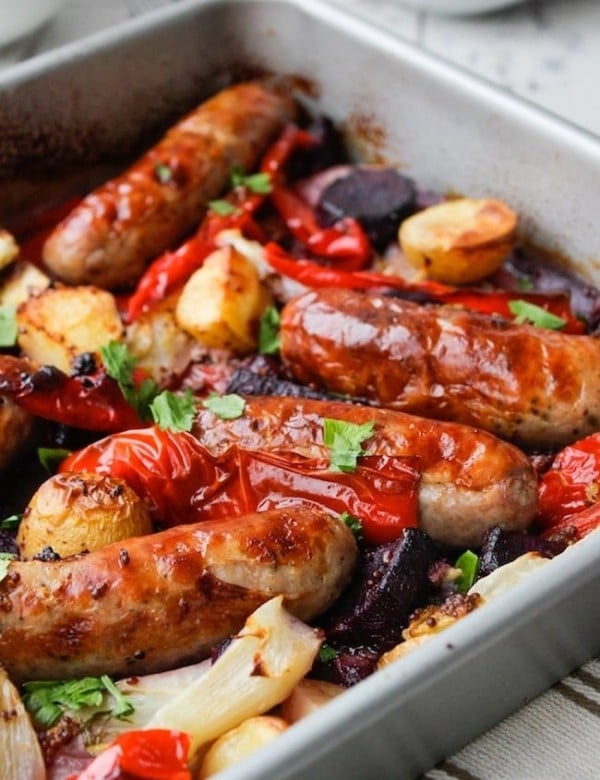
(470, 480)
(537, 387)
(149, 603)
(108, 239)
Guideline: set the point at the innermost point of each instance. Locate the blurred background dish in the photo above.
(463, 7)
(18, 19)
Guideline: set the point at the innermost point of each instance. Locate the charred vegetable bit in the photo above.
(500, 547)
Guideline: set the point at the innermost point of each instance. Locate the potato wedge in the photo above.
(460, 241)
(21, 755)
(62, 322)
(221, 304)
(240, 742)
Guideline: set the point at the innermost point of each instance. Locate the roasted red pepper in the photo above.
(572, 484)
(182, 482)
(93, 402)
(575, 527)
(485, 302)
(151, 754)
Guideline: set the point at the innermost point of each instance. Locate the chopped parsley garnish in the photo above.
(268, 334)
(468, 563)
(353, 523)
(52, 457)
(5, 559)
(47, 700)
(11, 523)
(163, 173)
(344, 439)
(120, 365)
(222, 207)
(174, 412)
(525, 283)
(327, 653)
(8, 326)
(523, 311)
(255, 182)
(227, 407)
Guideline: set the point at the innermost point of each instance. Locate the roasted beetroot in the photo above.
(501, 547)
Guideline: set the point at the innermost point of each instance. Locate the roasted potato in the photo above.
(61, 322)
(9, 249)
(460, 241)
(240, 742)
(308, 696)
(22, 281)
(221, 304)
(75, 512)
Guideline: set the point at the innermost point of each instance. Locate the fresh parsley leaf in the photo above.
(123, 707)
(524, 311)
(525, 283)
(47, 700)
(268, 334)
(120, 365)
(255, 182)
(174, 412)
(52, 457)
(353, 523)
(11, 523)
(468, 563)
(327, 653)
(227, 407)
(163, 173)
(5, 559)
(8, 326)
(222, 207)
(344, 439)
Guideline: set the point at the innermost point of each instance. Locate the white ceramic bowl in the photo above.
(461, 7)
(19, 18)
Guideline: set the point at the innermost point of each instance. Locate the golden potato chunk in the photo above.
(23, 280)
(240, 742)
(9, 249)
(75, 512)
(61, 322)
(221, 304)
(460, 241)
(307, 697)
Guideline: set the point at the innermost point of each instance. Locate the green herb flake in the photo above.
(11, 523)
(227, 407)
(523, 311)
(52, 457)
(327, 653)
(222, 207)
(5, 560)
(48, 700)
(120, 365)
(353, 523)
(344, 439)
(255, 182)
(525, 283)
(163, 173)
(468, 563)
(172, 411)
(8, 326)
(268, 335)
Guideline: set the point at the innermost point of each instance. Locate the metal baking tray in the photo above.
(96, 100)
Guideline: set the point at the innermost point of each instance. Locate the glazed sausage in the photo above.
(537, 387)
(470, 480)
(108, 239)
(150, 603)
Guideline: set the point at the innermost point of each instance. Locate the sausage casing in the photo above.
(111, 235)
(537, 387)
(151, 602)
(470, 480)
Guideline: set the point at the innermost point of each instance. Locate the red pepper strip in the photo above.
(172, 269)
(575, 527)
(485, 302)
(183, 482)
(151, 754)
(345, 242)
(93, 402)
(572, 484)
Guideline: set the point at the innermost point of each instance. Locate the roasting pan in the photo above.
(88, 106)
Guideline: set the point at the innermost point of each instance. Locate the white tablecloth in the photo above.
(549, 53)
